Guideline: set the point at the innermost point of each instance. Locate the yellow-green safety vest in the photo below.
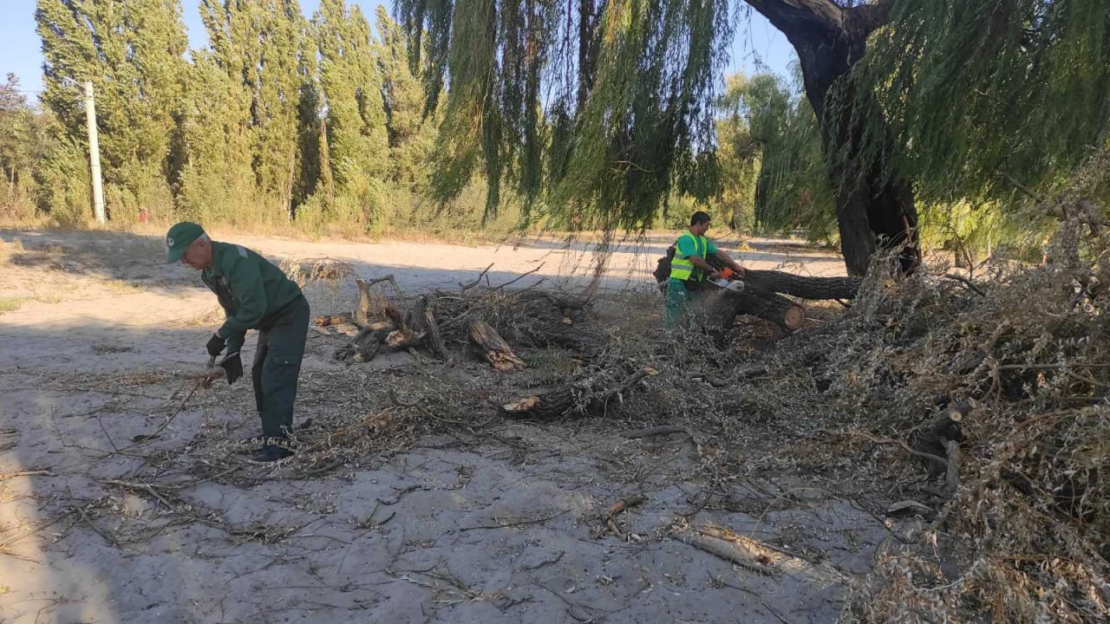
(682, 268)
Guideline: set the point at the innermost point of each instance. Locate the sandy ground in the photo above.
(506, 527)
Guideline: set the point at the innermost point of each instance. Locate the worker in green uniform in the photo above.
(689, 267)
(254, 294)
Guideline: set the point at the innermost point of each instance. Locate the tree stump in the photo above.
(493, 348)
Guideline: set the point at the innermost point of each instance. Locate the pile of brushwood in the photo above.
(990, 396)
(481, 318)
(985, 402)
(976, 404)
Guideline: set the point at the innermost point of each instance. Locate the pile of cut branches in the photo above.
(487, 320)
(1012, 495)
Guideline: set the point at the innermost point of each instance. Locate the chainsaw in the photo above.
(728, 280)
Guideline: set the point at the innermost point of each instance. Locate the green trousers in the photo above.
(678, 298)
(277, 367)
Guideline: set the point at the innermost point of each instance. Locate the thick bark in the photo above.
(719, 309)
(493, 348)
(815, 288)
(435, 338)
(874, 207)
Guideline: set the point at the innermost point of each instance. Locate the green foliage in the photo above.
(64, 180)
(265, 45)
(972, 232)
(358, 147)
(22, 144)
(580, 115)
(981, 93)
(650, 104)
(411, 124)
(770, 144)
(133, 53)
(216, 181)
(638, 103)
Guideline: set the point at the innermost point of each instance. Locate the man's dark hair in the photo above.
(698, 218)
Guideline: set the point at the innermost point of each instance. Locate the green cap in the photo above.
(179, 237)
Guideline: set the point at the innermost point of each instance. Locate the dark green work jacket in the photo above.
(251, 290)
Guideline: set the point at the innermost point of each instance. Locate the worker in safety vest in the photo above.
(689, 268)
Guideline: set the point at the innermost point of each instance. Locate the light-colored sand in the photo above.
(410, 538)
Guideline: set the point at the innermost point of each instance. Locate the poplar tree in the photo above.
(410, 123)
(216, 177)
(357, 143)
(133, 53)
(261, 43)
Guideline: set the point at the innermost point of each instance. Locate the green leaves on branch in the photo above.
(982, 93)
(629, 117)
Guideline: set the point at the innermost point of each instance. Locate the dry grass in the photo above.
(11, 304)
(123, 287)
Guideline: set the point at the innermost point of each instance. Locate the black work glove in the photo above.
(216, 344)
(233, 366)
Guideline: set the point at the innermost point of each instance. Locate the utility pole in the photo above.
(94, 152)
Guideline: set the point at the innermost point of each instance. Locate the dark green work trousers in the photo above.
(277, 365)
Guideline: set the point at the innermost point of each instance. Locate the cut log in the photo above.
(405, 335)
(328, 320)
(364, 346)
(947, 426)
(720, 307)
(816, 288)
(493, 348)
(547, 407)
(434, 338)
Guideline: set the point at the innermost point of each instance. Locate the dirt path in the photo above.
(498, 523)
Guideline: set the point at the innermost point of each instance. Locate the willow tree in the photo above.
(629, 86)
(783, 141)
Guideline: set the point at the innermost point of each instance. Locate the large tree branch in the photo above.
(865, 19)
(793, 17)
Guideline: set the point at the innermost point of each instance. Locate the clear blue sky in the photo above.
(757, 44)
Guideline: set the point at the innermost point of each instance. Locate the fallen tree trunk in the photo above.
(815, 288)
(720, 307)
